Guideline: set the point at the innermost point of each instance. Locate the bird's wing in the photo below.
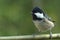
(49, 18)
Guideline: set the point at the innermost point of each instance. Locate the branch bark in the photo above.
(46, 36)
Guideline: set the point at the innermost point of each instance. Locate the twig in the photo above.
(37, 3)
(31, 36)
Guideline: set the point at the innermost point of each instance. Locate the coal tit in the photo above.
(41, 20)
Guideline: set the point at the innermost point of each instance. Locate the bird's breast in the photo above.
(43, 25)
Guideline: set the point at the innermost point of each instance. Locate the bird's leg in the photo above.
(36, 33)
(50, 34)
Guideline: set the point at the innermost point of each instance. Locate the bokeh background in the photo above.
(16, 18)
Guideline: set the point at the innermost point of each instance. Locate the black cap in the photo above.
(37, 9)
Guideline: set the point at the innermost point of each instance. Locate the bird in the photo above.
(42, 21)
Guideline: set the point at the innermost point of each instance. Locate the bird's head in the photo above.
(37, 13)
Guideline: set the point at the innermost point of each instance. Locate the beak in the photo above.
(53, 21)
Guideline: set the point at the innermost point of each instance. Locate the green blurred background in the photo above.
(16, 19)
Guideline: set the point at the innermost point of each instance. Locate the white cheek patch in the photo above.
(39, 15)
